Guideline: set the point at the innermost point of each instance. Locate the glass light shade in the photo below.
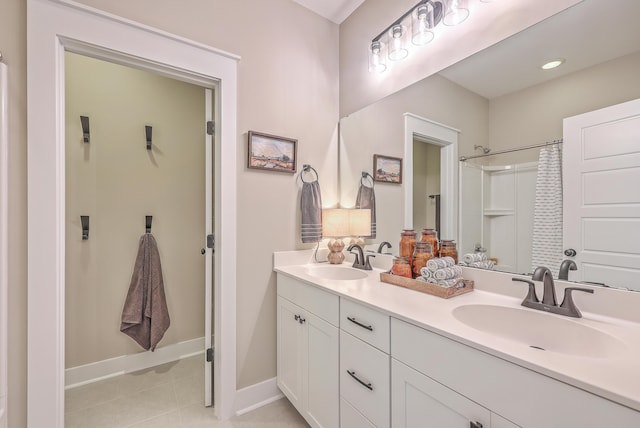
(360, 222)
(422, 22)
(397, 50)
(335, 223)
(455, 11)
(377, 57)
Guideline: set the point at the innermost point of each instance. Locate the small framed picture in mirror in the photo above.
(271, 152)
(387, 169)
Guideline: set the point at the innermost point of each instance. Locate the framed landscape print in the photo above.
(387, 169)
(271, 153)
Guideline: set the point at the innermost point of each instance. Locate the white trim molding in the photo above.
(56, 26)
(4, 242)
(257, 395)
(447, 137)
(93, 372)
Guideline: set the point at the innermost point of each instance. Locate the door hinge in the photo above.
(211, 127)
(209, 355)
(211, 242)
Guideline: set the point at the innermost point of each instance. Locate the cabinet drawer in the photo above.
(351, 418)
(321, 303)
(365, 379)
(365, 323)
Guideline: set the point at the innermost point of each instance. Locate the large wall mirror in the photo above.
(498, 100)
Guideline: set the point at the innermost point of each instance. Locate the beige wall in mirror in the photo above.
(497, 104)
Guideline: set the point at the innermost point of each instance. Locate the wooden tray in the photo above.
(425, 287)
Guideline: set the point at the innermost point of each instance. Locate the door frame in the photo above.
(447, 138)
(54, 26)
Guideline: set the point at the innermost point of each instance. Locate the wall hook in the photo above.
(148, 220)
(148, 129)
(84, 120)
(84, 219)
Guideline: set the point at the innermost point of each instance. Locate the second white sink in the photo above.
(540, 330)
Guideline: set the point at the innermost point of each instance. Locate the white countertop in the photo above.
(616, 378)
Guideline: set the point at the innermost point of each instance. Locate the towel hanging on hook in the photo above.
(366, 199)
(148, 220)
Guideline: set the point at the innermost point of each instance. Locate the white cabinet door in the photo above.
(322, 399)
(418, 401)
(308, 364)
(601, 196)
(291, 361)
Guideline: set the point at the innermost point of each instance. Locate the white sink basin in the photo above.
(540, 330)
(339, 272)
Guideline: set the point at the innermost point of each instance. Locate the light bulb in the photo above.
(456, 11)
(422, 23)
(397, 51)
(377, 60)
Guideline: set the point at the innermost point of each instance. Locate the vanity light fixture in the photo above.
(552, 64)
(418, 23)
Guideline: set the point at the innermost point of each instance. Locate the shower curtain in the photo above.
(547, 216)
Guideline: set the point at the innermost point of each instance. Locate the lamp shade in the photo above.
(359, 222)
(335, 222)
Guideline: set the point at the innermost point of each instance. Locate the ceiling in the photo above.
(589, 33)
(334, 10)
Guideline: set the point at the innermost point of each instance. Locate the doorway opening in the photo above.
(137, 154)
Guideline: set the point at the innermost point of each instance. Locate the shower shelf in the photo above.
(497, 212)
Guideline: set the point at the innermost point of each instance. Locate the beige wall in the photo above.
(13, 44)
(288, 86)
(117, 182)
(534, 115)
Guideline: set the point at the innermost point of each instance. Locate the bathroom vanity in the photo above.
(356, 352)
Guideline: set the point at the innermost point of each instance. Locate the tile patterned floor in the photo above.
(166, 396)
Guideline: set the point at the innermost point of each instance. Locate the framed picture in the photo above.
(387, 169)
(271, 152)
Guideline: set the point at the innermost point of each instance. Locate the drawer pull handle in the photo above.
(353, 320)
(366, 385)
(299, 318)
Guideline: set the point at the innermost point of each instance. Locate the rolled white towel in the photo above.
(447, 282)
(474, 257)
(487, 264)
(448, 273)
(425, 272)
(440, 263)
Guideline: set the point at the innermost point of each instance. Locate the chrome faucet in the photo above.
(567, 308)
(382, 245)
(565, 267)
(360, 262)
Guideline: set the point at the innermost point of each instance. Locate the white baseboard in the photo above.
(257, 395)
(88, 373)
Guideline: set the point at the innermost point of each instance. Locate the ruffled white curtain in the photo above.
(547, 216)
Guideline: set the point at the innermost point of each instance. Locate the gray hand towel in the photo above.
(145, 316)
(311, 206)
(366, 199)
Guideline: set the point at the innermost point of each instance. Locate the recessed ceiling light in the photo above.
(552, 64)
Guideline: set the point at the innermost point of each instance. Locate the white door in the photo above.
(601, 191)
(208, 255)
(417, 401)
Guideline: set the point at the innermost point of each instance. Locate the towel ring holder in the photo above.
(308, 168)
(365, 176)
